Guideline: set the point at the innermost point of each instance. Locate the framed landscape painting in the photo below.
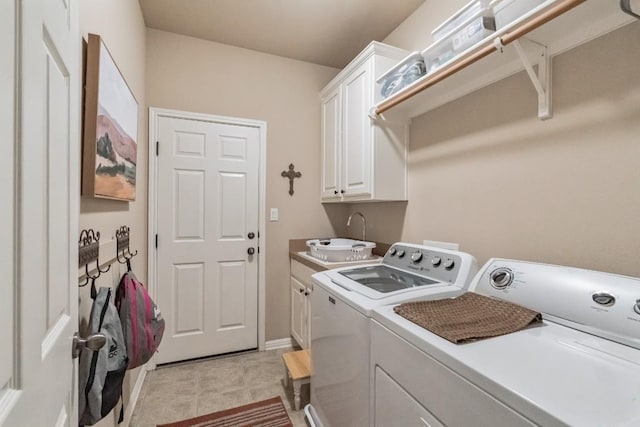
(110, 128)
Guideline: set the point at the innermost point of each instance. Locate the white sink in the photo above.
(340, 250)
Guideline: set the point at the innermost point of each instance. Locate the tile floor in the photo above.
(191, 389)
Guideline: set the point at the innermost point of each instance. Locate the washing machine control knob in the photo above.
(436, 261)
(416, 256)
(449, 264)
(500, 278)
(400, 253)
(392, 251)
(636, 307)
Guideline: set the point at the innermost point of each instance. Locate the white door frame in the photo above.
(154, 117)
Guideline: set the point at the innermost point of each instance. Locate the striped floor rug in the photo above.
(267, 413)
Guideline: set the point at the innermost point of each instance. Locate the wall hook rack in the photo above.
(122, 247)
(89, 251)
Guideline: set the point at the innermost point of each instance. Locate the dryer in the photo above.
(580, 367)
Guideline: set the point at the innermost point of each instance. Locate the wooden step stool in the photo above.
(297, 366)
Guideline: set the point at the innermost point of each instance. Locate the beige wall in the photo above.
(120, 24)
(189, 74)
(486, 173)
(414, 33)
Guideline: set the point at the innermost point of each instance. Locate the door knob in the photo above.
(92, 342)
(251, 251)
(251, 235)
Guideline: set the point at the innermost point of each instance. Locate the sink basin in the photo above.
(340, 250)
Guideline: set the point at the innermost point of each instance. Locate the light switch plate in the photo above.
(273, 215)
(444, 245)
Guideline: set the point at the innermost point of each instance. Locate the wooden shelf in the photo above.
(572, 23)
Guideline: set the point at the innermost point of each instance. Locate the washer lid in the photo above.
(380, 284)
(385, 279)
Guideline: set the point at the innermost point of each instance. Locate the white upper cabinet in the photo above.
(362, 159)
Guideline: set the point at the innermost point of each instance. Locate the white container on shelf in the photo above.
(507, 11)
(459, 39)
(473, 9)
(402, 75)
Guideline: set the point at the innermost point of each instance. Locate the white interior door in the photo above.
(40, 191)
(207, 209)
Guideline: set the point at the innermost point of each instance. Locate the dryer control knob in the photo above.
(449, 264)
(500, 278)
(436, 261)
(636, 307)
(416, 256)
(400, 253)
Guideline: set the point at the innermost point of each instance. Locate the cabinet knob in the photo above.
(251, 251)
(306, 294)
(335, 191)
(342, 191)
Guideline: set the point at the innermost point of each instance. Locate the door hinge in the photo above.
(157, 148)
(156, 241)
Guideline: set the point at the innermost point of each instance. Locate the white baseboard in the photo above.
(280, 343)
(135, 394)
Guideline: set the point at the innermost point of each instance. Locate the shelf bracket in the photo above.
(542, 80)
(372, 114)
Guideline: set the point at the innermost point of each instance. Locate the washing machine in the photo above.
(341, 305)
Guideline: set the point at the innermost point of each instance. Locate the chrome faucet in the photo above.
(364, 224)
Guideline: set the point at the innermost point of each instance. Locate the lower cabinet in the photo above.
(300, 312)
(301, 288)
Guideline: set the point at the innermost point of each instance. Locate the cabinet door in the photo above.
(307, 318)
(331, 128)
(357, 141)
(298, 308)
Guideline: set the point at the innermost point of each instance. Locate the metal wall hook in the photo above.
(89, 276)
(100, 270)
(132, 254)
(123, 252)
(89, 251)
(86, 275)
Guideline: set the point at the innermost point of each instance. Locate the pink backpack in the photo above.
(142, 322)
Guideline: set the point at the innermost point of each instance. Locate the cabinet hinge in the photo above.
(156, 241)
(157, 148)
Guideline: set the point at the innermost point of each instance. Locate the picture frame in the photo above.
(109, 154)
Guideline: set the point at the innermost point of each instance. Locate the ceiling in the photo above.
(326, 32)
